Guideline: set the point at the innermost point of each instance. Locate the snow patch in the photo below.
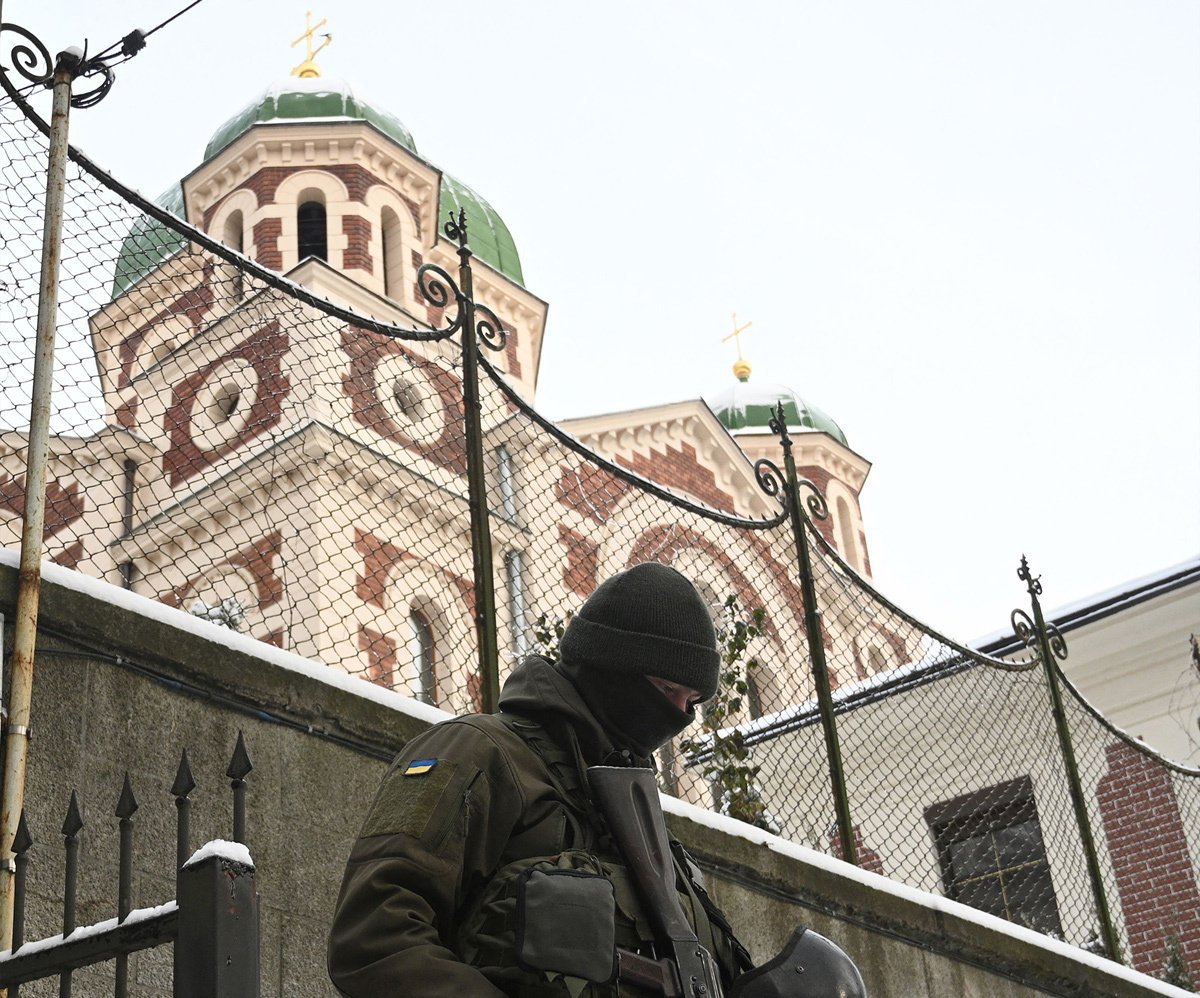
(86, 931)
(183, 621)
(234, 852)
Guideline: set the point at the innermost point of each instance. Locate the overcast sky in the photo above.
(970, 232)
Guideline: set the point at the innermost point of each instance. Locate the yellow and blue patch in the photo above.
(419, 767)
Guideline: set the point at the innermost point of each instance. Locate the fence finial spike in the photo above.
(127, 803)
(240, 764)
(74, 820)
(23, 840)
(184, 782)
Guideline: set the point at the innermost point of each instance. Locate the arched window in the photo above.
(233, 238)
(846, 533)
(420, 646)
(311, 232)
(516, 603)
(393, 254)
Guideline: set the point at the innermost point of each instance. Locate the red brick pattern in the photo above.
(381, 656)
(70, 556)
(63, 505)
(257, 560)
(591, 491)
(194, 305)
(678, 468)
(583, 562)
(1149, 851)
(366, 350)
(357, 255)
(380, 558)
(266, 243)
(868, 858)
(264, 350)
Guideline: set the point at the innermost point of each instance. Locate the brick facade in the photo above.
(366, 350)
(264, 350)
(1148, 846)
(678, 468)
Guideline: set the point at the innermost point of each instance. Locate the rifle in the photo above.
(629, 799)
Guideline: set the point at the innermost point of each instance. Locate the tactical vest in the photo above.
(501, 924)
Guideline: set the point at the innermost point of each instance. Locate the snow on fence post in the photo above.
(216, 950)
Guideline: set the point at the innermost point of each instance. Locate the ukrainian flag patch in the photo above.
(419, 767)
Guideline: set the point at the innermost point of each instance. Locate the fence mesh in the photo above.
(228, 442)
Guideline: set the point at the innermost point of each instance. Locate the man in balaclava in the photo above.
(452, 882)
(644, 624)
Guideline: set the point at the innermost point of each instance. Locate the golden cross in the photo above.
(736, 335)
(308, 68)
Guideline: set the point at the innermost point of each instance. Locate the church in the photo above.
(273, 466)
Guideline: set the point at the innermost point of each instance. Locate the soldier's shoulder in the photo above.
(478, 738)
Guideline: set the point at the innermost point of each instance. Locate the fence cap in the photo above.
(234, 852)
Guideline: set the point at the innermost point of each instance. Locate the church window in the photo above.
(846, 533)
(311, 232)
(420, 646)
(508, 492)
(992, 856)
(516, 603)
(408, 399)
(393, 259)
(876, 658)
(234, 239)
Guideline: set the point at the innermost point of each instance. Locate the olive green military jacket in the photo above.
(464, 800)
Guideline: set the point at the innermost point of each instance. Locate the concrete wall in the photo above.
(123, 684)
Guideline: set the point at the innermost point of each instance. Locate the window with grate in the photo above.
(992, 856)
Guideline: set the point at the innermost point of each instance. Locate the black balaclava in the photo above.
(646, 621)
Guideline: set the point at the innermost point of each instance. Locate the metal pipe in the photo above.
(1047, 654)
(481, 534)
(816, 642)
(29, 579)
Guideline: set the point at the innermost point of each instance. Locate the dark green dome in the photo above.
(291, 101)
(320, 99)
(748, 408)
(149, 243)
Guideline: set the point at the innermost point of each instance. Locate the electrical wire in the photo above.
(141, 37)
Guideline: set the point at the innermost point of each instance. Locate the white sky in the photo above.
(968, 231)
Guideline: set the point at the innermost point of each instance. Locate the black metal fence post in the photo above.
(216, 951)
(772, 481)
(481, 533)
(1051, 646)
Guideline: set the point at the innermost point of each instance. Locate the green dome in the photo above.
(487, 234)
(149, 243)
(747, 408)
(320, 99)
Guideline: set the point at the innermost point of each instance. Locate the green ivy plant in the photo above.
(719, 751)
(548, 631)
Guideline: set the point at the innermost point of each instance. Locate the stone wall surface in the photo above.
(120, 690)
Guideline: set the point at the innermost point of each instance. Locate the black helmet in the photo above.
(809, 966)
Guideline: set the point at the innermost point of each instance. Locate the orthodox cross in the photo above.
(741, 369)
(308, 69)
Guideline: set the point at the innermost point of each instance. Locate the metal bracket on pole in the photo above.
(774, 482)
(1048, 642)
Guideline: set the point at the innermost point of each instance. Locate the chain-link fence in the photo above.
(236, 445)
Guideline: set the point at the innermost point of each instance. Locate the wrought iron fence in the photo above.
(266, 457)
(212, 921)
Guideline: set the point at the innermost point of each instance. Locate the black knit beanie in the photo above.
(646, 621)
